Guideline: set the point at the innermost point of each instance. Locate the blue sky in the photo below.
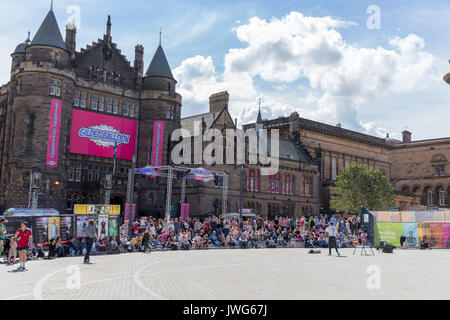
(315, 57)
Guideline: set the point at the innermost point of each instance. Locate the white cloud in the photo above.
(342, 77)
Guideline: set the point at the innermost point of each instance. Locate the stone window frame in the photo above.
(125, 108)
(55, 87)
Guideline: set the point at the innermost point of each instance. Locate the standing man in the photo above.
(332, 233)
(90, 232)
(2, 234)
(24, 238)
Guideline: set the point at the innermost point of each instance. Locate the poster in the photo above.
(82, 221)
(389, 232)
(102, 227)
(423, 230)
(410, 232)
(53, 133)
(53, 228)
(96, 134)
(66, 228)
(446, 235)
(113, 229)
(436, 234)
(96, 209)
(40, 230)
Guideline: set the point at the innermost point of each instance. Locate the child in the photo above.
(12, 251)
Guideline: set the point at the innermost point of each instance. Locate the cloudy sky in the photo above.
(328, 60)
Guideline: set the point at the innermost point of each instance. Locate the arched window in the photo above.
(430, 197)
(442, 197)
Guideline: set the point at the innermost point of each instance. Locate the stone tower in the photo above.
(159, 102)
(40, 73)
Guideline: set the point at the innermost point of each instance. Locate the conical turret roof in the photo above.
(159, 67)
(49, 33)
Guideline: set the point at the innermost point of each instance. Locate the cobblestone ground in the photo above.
(234, 274)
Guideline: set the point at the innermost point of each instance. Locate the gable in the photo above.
(115, 63)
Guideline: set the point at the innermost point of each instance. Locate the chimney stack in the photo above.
(406, 136)
(139, 63)
(218, 101)
(71, 33)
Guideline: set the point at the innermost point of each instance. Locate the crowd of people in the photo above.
(247, 232)
(148, 233)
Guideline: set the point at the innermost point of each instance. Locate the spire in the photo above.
(28, 38)
(51, 6)
(160, 31)
(159, 67)
(259, 119)
(49, 33)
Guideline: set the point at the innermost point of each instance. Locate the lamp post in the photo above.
(108, 187)
(35, 187)
(241, 191)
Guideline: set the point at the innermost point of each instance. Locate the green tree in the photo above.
(358, 187)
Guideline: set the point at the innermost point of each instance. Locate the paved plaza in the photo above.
(253, 274)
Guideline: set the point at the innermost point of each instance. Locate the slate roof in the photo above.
(159, 67)
(288, 150)
(49, 33)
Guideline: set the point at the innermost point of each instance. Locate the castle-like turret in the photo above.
(48, 44)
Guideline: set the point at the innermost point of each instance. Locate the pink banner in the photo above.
(185, 208)
(96, 134)
(127, 212)
(53, 133)
(158, 142)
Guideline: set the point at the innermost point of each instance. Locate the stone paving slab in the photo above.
(253, 274)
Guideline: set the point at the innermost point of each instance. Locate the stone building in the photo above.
(291, 192)
(422, 168)
(418, 170)
(49, 74)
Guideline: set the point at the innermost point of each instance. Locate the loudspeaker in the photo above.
(388, 249)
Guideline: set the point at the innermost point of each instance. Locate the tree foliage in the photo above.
(358, 187)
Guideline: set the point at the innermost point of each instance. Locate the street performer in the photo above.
(332, 233)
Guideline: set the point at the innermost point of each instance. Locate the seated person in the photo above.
(424, 244)
(197, 241)
(72, 247)
(229, 240)
(51, 249)
(243, 241)
(271, 243)
(184, 243)
(59, 248)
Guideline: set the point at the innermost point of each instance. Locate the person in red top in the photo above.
(24, 238)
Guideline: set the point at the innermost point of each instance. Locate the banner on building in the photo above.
(53, 133)
(158, 143)
(96, 209)
(96, 134)
(185, 207)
